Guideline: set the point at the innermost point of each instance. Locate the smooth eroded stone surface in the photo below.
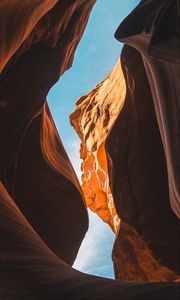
(140, 182)
(144, 143)
(29, 270)
(18, 19)
(152, 29)
(34, 166)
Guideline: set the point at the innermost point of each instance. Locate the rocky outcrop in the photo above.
(93, 119)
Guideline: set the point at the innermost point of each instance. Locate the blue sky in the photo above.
(96, 55)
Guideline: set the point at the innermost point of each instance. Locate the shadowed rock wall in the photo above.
(34, 166)
(29, 270)
(147, 167)
(140, 182)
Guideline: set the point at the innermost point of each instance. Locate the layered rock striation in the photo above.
(30, 270)
(150, 161)
(34, 167)
(140, 183)
(156, 38)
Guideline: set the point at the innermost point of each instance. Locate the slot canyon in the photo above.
(129, 132)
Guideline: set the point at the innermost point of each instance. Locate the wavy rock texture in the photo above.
(34, 166)
(157, 39)
(147, 168)
(43, 217)
(29, 270)
(140, 185)
(93, 119)
(17, 22)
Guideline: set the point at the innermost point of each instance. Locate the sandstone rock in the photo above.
(34, 166)
(43, 218)
(133, 260)
(18, 20)
(29, 270)
(140, 183)
(150, 157)
(136, 163)
(93, 119)
(156, 37)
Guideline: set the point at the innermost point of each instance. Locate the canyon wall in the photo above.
(147, 173)
(34, 166)
(43, 214)
(156, 37)
(140, 186)
(30, 270)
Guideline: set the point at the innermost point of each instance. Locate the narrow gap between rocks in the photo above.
(96, 55)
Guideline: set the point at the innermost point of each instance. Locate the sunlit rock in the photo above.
(93, 119)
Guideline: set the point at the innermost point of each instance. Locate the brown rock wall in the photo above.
(34, 166)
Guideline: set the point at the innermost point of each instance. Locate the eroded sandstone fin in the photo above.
(93, 119)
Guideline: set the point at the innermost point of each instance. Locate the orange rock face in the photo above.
(93, 119)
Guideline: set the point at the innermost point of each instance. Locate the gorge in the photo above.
(129, 131)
